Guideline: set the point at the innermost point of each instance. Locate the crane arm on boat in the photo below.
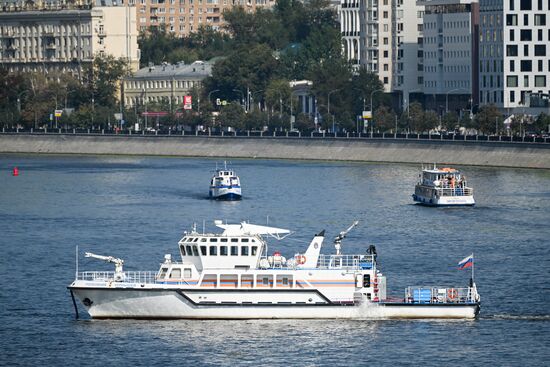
(341, 236)
(110, 259)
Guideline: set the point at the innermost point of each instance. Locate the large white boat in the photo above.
(225, 185)
(229, 275)
(443, 187)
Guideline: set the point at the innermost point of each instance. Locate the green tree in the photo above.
(232, 115)
(542, 124)
(384, 119)
(450, 121)
(429, 122)
(487, 119)
(415, 117)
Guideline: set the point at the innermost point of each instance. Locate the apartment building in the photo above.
(164, 83)
(62, 40)
(514, 60)
(407, 48)
(385, 36)
(183, 17)
(349, 13)
(450, 48)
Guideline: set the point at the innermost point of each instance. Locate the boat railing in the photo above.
(455, 191)
(142, 277)
(440, 295)
(352, 262)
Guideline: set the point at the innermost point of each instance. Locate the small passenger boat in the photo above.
(225, 185)
(443, 187)
(230, 275)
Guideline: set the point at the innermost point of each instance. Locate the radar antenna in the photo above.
(338, 239)
(119, 274)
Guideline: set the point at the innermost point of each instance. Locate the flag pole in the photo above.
(473, 265)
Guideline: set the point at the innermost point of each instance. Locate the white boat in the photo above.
(443, 187)
(225, 185)
(229, 275)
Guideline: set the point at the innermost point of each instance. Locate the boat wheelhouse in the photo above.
(230, 275)
(225, 185)
(443, 187)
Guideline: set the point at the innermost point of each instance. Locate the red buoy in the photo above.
(15, 171)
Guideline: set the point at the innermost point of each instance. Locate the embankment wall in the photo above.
(500, 154)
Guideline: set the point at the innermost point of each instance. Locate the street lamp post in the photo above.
(371, 108)
(328, 106)
(242, 97)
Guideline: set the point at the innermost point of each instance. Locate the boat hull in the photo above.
(433, 200)
(132, 303)
(233, 193)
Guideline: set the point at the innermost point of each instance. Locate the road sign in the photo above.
(58, 113)
(367, 115)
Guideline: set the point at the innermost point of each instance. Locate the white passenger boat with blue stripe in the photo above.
(225, 185)
(230, 275)
(443, 187)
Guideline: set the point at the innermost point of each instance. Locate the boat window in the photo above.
(234, 251)
(189, 252)
(175, 273)
(254, 250)
(182, 248)
(223, 250)
(203, 239)
(213, 250)
(265, 281)
(195, 251)
(285, 281)
(195, 239)
(234, 240)
(213, 240)
(253, 240)
(366, 280)
(244, 251)
(163, 272)
(187, 273)
(203, 250)
(184, 239)
(223, 239)
(244, 239)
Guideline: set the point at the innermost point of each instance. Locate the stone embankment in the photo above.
(500, 154)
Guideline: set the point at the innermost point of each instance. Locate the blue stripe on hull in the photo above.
(229, 196)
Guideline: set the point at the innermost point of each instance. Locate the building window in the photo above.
(511, 50)
(540, 50)
(540, 81)
(526, 65)
(525, 35)
(525, 5)
(512, 81)
(540, 19)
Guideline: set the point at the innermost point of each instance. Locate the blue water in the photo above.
(137, 209)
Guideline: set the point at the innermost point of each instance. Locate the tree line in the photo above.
(257, 55)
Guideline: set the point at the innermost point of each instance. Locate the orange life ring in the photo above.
(301, 259)
(452, 293)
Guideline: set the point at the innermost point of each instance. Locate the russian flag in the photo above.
(467, 262)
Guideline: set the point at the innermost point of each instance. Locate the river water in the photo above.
(137, 208)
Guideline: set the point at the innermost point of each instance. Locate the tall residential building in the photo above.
(385, 36)
(514, 60)
(407, 47)
(63, 40)
(450, 50)
(350, 29)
